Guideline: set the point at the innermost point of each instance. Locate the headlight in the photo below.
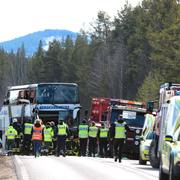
(136, 143)
(137, 131)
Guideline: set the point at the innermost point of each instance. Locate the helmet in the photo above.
(15, 120)
(52, 123)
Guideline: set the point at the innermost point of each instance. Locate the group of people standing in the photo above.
(54, 137)
(114, 137)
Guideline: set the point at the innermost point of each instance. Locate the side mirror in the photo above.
(168, 138)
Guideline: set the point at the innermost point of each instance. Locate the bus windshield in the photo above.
(57, 94)
(134, 121)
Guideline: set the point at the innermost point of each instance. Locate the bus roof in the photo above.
(35, 85)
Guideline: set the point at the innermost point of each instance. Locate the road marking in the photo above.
(20, 168)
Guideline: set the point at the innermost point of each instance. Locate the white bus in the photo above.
(51, 101)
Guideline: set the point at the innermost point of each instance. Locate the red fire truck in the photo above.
(107, 110)
(99, 107)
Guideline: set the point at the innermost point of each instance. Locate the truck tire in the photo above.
(154, 160)
(162, 175)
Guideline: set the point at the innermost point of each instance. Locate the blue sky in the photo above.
(21, 17)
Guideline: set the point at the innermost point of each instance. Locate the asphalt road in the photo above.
(81, 168)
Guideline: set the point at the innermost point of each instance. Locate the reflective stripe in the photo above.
(62, 129)
(48, 134)
(11, 133)
(27, 128)
(103, 133)
(83, 131)
(93, 130)
(37, 133)
(37, 130)
(120, 131)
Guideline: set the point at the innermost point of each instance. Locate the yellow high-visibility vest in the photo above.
(120, 131)
(83, 131)
(48, 134)
(104, 132)
(62, 129)
(28, 128)
(11, 133)
(93, 130)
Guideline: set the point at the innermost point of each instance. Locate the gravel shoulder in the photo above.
(7, 170)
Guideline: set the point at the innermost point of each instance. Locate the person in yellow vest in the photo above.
(119, 135)
(93, 131)
(103, 135)
(62, 134)
(37, 137)
(10, 134)
(83, 137)
(27, 129)
(48, 137)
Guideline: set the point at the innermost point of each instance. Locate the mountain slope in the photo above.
(31, 41)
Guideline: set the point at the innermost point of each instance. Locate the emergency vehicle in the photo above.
(167, 91)
(48, 101)
(169, 150)
(134, 115)
(99, 107)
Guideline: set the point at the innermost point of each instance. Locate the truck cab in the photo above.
(134, 115)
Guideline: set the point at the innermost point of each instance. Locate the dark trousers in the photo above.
(92, 146)
(103, 147)
(61, 145)
(118, 147)
(37, 147)
(83, 146)
(27, 143)
(47, 146)
(10, 144)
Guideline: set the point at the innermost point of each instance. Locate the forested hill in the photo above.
(31, 41)
(126, 57)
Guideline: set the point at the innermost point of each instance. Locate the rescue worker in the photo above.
(48, 137)
(119, 128)
(93, 131)
(18, 127)
(27, 136)
(37, 137)
(10, 134)
(83, 137)
(103, 140)
(61, 138)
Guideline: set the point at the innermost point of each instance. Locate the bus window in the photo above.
(32, 96)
